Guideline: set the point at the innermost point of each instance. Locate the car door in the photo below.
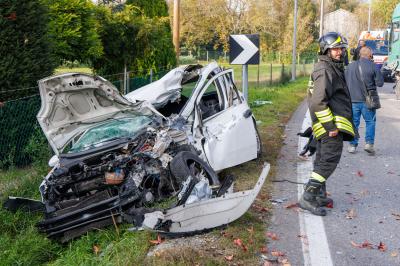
(228, 136)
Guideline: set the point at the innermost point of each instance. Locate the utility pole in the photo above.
(321, 20)
(176, 27)
(294, 41)
(369, 15)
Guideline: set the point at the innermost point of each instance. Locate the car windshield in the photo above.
(378, 47)
(111, 130)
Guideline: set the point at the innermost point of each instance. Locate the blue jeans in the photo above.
(370, 121)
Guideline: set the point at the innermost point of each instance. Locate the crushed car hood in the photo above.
(158, 93)
(74, 102)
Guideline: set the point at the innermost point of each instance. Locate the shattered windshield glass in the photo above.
(112, 130)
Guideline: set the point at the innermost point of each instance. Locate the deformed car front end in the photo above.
(117, 157)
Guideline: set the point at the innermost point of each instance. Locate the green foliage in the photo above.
(154, 8)
(134, 40)
(25, 55)
(73, 30)
(38, 148)
(17, 122)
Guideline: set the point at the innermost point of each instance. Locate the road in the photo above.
(366, 193)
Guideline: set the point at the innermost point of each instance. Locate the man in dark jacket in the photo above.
(372, 78)
(331, 114)
(356, 52)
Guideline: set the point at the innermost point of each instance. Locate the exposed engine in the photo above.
(100, 188)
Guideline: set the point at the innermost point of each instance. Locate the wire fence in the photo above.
(23, 143)
(204, 55)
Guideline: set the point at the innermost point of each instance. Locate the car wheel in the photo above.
(186, 163)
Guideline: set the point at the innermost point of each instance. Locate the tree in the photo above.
(349, 5)
(73, 30)
(306, 28)
(382, 11)
(154, 8)
(25, 57)
(24, 47)
(133, 40)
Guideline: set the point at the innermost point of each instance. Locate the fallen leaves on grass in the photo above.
(351, 214)
(273, 236)
(264, 250)
(259, 208)
(262, 197)
(238, 242)
(277, 253)
(96, 249)
(157, 241)
(360, 174)
(229, 258)
(226, 234)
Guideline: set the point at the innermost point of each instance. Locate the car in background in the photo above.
(116, 156)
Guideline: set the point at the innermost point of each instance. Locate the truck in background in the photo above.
(393, 62)
(377, 41)
(394, 37)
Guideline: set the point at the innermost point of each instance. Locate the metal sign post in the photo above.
(245, 81)
(244, 50)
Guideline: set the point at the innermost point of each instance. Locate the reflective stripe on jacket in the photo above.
(329, 100)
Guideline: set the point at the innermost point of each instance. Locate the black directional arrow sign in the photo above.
(244, 49)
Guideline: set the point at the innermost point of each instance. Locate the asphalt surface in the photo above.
(366, 194)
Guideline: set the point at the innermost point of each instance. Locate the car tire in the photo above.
(187, 163)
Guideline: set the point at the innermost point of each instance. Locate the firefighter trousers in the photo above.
(327, 157)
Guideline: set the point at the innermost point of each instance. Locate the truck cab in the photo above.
(394, 37)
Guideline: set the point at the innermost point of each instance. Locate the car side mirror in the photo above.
(53, 161)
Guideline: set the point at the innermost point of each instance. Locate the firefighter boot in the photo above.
(323, 199)
(309, 201)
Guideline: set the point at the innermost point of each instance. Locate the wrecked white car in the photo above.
(116, 157)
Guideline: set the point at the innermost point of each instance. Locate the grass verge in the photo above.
(21, 244)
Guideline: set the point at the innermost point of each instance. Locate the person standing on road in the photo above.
(372, 78)
(356, 52)
(331, 114)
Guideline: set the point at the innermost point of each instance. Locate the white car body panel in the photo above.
(209, 213)
(74, 102)
(229, 138)
(158, 93)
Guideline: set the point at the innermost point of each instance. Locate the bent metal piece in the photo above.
(208, 213)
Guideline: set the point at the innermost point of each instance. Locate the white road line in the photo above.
(315, 245)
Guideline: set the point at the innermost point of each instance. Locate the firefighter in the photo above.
(331, 114)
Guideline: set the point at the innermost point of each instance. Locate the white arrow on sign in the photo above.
(249, 49)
